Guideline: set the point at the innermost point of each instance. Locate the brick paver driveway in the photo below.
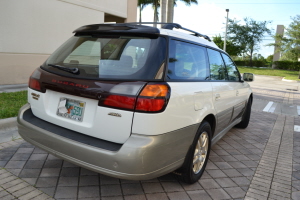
(260, 162)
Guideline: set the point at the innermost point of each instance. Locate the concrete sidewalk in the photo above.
(8, 130)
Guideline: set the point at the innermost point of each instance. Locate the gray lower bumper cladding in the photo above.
(139, 158)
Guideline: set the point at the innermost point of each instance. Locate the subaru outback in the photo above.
(135, 102)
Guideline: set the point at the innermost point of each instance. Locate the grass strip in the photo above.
(11, 102)
(290, 75)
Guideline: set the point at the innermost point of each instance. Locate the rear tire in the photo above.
(197, 156)
(246, 116)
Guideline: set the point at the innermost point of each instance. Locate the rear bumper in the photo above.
(139, 158)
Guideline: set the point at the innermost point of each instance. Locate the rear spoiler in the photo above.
(118, 29)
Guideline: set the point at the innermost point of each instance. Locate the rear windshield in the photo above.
(111, 57)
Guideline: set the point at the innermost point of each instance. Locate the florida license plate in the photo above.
(71, 109)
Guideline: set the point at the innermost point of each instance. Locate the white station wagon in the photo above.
(135, 102)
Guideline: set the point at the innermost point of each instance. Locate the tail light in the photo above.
(119, 101)
(152, 98)
(34, 82)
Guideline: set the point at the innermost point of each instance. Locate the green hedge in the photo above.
(256, 63)
(289, 65)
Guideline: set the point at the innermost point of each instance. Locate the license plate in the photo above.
(71, 109)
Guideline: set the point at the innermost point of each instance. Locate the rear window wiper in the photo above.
(71, 70)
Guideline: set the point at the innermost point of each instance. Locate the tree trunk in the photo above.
(251, 54)
(163, 11)
(140, 9)
(170, 11)
(155, 12)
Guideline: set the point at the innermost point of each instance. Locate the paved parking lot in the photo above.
(260, 162)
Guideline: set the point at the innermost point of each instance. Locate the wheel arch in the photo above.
(251, 97)
(211, 119)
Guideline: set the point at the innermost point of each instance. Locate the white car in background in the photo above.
(135, 102)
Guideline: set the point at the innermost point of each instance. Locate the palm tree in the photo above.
(171, 5)
(156, 4)
(142, 4)
(170, 13)
(163, 11)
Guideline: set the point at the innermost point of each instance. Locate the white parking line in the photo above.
(296, 128)
(268, 106)
(298, 110)
(273, 107)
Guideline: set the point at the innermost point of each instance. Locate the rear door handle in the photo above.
(218, 96)
(237, 93)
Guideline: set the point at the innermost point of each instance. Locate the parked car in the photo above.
(135, 102)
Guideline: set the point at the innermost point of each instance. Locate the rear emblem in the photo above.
(115, 114)
(35, 96)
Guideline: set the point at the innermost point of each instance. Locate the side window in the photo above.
(232, 72)
(217, 68)
(187, 62)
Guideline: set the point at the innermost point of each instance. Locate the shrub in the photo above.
(255, 63)
(240, 62)
(258, 63)
(288, 65)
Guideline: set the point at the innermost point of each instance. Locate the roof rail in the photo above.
(170, 26)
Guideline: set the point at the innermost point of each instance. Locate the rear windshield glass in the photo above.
(117, 57)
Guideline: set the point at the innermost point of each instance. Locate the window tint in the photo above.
(232, 72)
(187, 62)
(116, 57)
(217, 68)
(86, 53)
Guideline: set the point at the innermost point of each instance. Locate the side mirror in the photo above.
(248, 77)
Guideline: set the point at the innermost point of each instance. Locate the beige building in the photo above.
(30, 30)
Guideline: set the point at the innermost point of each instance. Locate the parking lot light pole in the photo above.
(224, 48)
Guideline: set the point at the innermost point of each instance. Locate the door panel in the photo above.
(224, 102)
(241, 91)
(224, 92)
(238, 109)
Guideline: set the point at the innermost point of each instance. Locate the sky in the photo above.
(209, 16)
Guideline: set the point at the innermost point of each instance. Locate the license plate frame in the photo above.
(71, 109)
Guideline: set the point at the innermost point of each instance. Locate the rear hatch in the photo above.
(93, 83)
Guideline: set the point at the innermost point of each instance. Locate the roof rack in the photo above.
(170, 26)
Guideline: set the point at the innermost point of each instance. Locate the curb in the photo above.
(13, 88)
(8, 124)
(8, 129)
(286, 80)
